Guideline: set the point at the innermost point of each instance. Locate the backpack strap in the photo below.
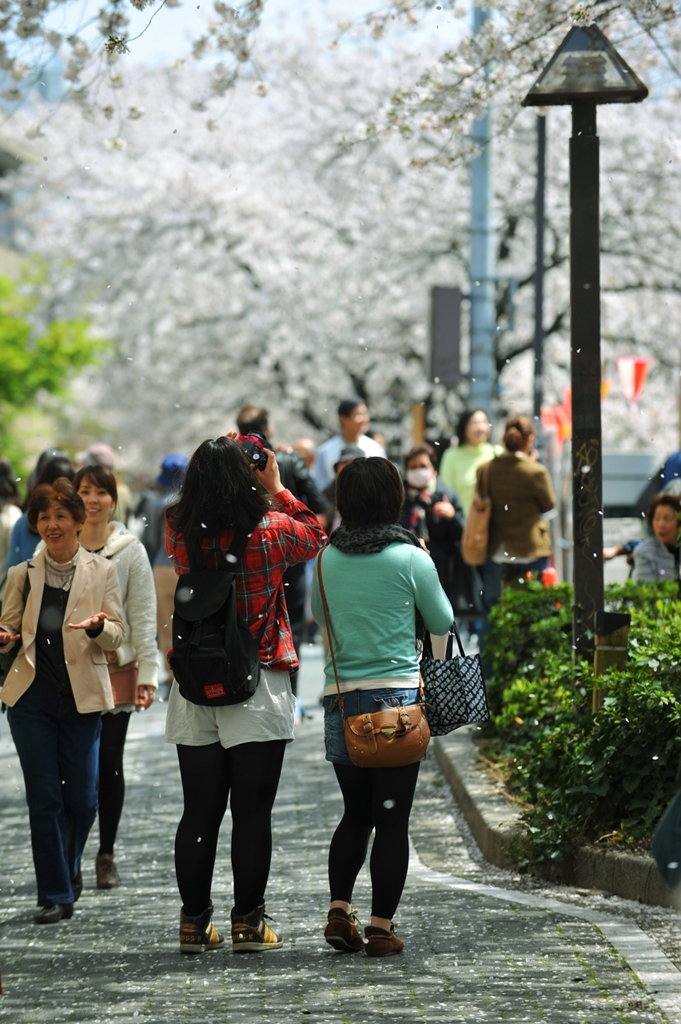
(197, 559)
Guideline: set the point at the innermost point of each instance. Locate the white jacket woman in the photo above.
(134, 666)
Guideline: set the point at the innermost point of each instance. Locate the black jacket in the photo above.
(296, 477)
(460, 582)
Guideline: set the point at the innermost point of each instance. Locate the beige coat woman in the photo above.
(94, 589)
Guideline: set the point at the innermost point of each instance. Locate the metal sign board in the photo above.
(445, 335)
(586, 66)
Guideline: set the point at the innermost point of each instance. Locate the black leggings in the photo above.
(379, 798)
(250, 772)
(111, 781)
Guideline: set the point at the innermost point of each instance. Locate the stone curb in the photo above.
(494, 821)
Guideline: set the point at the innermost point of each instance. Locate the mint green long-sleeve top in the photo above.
(372, 603)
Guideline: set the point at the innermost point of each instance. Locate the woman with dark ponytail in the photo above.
(522, 494)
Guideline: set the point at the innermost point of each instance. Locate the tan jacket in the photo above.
(94, 589)
(521, 491)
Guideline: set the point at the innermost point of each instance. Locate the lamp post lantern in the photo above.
(584, 71)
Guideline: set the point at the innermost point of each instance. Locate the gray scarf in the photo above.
(368, 540)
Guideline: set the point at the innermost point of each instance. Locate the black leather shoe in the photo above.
(52, 914)
(77, 885)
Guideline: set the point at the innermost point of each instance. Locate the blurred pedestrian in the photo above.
(306, 448)
(522, 494)
(347, 455)
(10, 512)
(63, 608)
(236, 752)
(169, 480)
(459, 465)
(133, 667)
(375, 576)
(45, 456)
(433, 513)
(24, 539)
(458, 468)
(353, 417)
(657, 557)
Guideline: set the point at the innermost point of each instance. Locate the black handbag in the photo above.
(454, 689)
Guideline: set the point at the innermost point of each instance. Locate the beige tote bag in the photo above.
(475, 537)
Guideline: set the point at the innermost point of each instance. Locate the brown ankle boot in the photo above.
(341, 931)
(382, 943)
(107, 872)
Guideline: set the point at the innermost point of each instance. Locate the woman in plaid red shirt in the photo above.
(237, 750)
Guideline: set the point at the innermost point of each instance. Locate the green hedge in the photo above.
(603, 778)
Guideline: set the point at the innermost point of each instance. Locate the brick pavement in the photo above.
(469, 957)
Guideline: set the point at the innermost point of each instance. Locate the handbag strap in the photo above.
(484, 478)
(450, 642)
(449, 651)
(327, 621)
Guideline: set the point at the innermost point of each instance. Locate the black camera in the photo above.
(253, 445)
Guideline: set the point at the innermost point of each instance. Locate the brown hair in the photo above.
(518, 430)
(673, 500)
(250, 417)
(100, 476)
(61, 492)
(369, 492)
(421, 449)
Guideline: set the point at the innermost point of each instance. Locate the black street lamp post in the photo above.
(586, 70)
(538, 396)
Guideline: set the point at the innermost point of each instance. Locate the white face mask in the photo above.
(419, 477)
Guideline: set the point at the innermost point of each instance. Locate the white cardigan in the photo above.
(139, 602)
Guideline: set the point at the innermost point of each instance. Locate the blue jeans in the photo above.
(358, 702)
(59, 753)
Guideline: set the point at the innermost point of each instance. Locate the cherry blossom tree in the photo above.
(438, 97)
(268, 259)
(261, 260)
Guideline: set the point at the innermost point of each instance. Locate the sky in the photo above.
(169, 35)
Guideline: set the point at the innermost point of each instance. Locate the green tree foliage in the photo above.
(36, 362)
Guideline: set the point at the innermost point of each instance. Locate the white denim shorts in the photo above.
(268, 715)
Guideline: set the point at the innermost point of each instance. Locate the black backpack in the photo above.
(214, 658)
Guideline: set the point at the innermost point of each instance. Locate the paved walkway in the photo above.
(479, 946)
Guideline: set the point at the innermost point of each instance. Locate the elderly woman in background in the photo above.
(657, 558)
(62, 611)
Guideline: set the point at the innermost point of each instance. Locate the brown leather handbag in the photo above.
(475, 537)
(379, 739)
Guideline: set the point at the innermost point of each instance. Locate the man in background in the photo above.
(353, 417)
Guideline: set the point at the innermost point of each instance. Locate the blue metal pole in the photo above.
(482, 265)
